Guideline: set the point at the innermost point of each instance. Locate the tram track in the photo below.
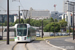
(20, 46)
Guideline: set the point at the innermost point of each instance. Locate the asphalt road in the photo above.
(20, 46)
(40, 45)
(60, 42)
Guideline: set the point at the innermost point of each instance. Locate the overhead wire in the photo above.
(21, 5)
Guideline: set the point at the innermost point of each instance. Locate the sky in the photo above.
(35, 4)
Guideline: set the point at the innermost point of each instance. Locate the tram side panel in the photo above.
(32, 33)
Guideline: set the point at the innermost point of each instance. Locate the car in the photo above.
(0, 37)
(56, 34)
(67, 34)
(37, 35)
(60, 34)
(52, 34)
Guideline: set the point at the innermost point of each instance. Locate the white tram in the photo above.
(24, 33)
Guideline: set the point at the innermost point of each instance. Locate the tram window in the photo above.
(22, 30)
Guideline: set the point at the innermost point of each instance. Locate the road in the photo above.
(34, 45)
(4, 46)
(40, 45)
(60, 42)
(20, 46)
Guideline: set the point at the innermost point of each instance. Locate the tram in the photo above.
(24, 33)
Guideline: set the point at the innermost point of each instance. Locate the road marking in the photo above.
(48, 42)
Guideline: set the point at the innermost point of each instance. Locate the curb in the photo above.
(14, 46)
(48, 42)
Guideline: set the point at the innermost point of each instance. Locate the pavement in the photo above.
(60, 42)
(4, 46)
(40, 45)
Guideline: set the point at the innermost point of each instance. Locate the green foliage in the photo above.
(51, 19)
(50, 27)
(56, 20)
(21, 21)
(10, 24)
(63, 23)
(67, 31)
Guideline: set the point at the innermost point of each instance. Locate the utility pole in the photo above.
(69, 29)
(42, 29)
(2, 27)
(19, 14)
(54, 27)
(8, 22)
(73, 22)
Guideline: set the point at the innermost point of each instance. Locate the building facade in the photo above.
(11, 17)
(37, 14)
(56, 15)
(68, 10)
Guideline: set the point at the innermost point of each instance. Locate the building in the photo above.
(37, 14)
(56, 15)
(68, 10)
(11, 17)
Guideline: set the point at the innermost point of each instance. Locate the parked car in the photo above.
(38, 35)
(60, 34)
(56, 34)
(0, 37)
(67, 34)
(52, 34)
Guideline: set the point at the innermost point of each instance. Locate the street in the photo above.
(60, 42)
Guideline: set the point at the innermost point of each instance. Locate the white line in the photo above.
(48, 42)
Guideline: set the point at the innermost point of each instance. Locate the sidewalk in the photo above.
(4, 46)
(70, 40)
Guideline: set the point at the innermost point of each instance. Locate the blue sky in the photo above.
(35, 4)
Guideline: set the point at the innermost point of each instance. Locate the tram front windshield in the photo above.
(22, 30)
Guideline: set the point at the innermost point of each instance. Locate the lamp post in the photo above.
(2, 27)
(54, 27)
(19, 14)
(42, 29)
(73, 16)
(7, 21)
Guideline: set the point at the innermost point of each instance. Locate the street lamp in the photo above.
(42, 28)
(73, 16)
(2, 27)
(7, 21)
(54, 27)
(19, 14)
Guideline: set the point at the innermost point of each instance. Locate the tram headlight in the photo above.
(24, 38)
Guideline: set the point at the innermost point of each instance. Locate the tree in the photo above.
(51, 19)
(21, 20)
(5, 24)
(63, 23)
(55, 20)
(17, 21)
(10, 24)
(50, 27)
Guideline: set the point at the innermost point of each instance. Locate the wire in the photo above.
(21, 5)
(2, 8)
